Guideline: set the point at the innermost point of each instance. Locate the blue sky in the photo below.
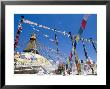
(62, 22)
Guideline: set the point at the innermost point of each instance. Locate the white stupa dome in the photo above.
(31, 59)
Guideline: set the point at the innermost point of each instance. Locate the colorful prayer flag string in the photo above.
(85, 51)
(18, 32)
(93, 45)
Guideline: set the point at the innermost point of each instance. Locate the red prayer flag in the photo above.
(83, 25)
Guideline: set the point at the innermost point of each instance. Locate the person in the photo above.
(69, 71)
(66, 66)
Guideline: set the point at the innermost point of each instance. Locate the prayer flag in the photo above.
(83, 24)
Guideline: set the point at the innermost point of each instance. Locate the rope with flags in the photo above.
(93, 45)
(56, 42)
(87, 58)
(18, 32)
(44, 27)
(85, 51)
(88, 40)
(75, 41)
(75, 54)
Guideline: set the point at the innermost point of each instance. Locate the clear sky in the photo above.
(62, 22)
